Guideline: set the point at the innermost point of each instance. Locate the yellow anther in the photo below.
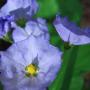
(31, 70)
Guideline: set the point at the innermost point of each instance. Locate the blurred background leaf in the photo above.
(48, 8)
(71, 8)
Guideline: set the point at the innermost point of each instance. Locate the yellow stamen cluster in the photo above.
(31, 70)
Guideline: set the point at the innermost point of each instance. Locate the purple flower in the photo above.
(5, 25)
(19, 8)
(31, 64)
(37, 28)
(69, 32)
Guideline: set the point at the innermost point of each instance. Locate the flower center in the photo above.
(31, 70)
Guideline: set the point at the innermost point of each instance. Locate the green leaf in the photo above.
(47, 8)
(54, 37)
(8, 37)
(71, 8)
(76, 62)
(21, 22)
(1, 87)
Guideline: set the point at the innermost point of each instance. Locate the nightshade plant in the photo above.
(5, 25)
(13, 10)
(37, 28)
(31, 62)
(71, 33)
(28, 6)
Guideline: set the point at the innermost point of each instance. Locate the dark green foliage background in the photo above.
(76, 59)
